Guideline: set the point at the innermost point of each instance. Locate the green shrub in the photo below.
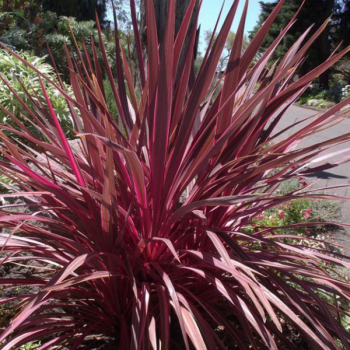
(55, 31)
(30, 346)
(58, 32)
(297, 211)
(303, 100)
(314, 102)
(320, 103)
(22, 78)
(333, 94)
(326, 104)
(4, 180)
(322, 95)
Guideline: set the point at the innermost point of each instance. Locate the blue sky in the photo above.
(210, 11)
(211, 8)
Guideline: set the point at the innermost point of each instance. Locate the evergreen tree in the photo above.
(82, 10)
(314, 12)
(342, 27)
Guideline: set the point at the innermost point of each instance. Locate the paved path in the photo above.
(339, 175)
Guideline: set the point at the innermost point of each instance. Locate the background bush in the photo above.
(25, 83)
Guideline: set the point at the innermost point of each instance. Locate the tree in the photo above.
(346, 22)
(314, 12)
(25, 26)
(342, 22)
(341, 33)
(228, 46)
(18, 13)
(82, 10)
(161, 12)
(19, 24)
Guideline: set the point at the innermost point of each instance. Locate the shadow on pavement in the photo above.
(326, 175)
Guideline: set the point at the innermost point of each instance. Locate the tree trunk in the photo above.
(326, 47)
(161, 12)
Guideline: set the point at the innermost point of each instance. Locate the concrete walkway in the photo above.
(339, 175)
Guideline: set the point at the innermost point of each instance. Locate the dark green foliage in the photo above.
(55, 31)
(82, 10)
(315, 95)
(30, 25)
(83, 32)
(18, 23)
(346, 22)
(342, 19)
(110, 100)
(313, 12)
(343, 68)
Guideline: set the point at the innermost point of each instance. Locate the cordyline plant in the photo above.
(137, 231)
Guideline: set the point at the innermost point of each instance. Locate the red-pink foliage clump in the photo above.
(138, 231)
